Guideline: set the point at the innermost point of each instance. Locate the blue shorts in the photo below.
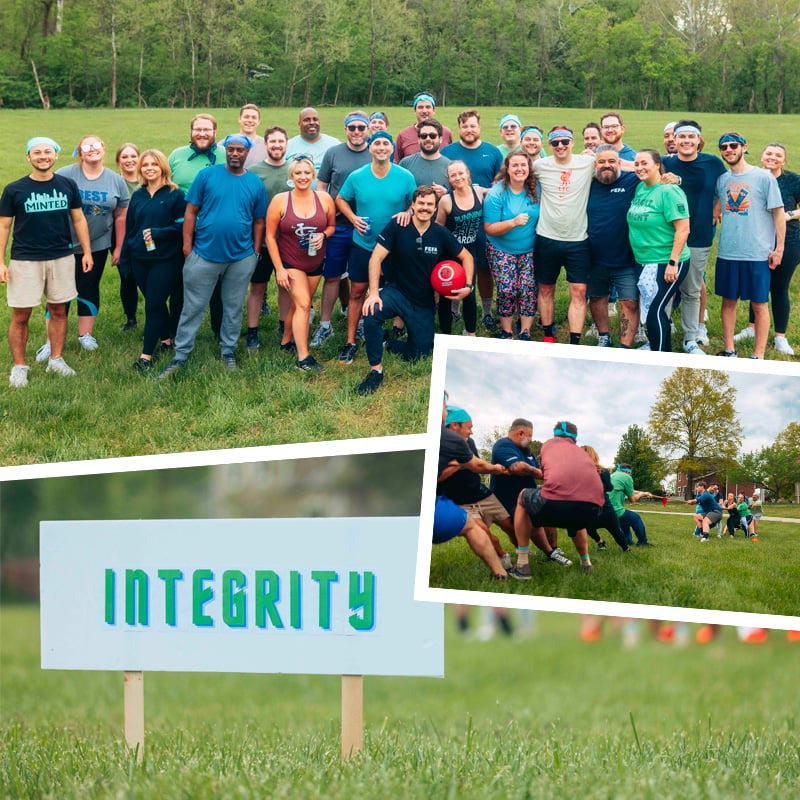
(449, 520)
(358, 264)
(742, 280)
(337, 249)
(549, 255)
(623, 279)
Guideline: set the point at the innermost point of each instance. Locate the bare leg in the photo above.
(18, 334)
(57, 328)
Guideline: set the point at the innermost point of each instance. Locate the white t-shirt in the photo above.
(563, 194)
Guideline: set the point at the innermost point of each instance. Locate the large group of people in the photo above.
(369, 217)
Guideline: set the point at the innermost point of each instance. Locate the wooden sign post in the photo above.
(133, 702)
(352, 715)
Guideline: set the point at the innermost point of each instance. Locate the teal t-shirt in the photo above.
(650, 218)
(623, 487)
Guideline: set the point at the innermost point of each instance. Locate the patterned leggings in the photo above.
(515, 281)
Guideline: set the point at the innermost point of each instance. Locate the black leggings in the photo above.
(470, 311)
(88, 283)
(609, 520)
(779, 280)
(658, 327)
(160, 280)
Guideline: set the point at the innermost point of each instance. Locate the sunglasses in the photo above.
(509, 127)
(428, 135)
(730, 146)
(359, 128)
(560, 142)
(301, 157)
(87, 147)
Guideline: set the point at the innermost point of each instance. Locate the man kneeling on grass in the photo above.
(415, 250)
(571, 496)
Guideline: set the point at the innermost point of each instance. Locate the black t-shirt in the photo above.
(41, 216)
(412, 258)
(463, 486)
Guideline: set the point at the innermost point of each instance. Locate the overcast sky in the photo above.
(601, 397)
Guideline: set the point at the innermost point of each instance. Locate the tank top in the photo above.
(294, 233)
(466, 224)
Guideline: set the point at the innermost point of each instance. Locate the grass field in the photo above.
(678, 571)
(545, 717)
(107, 410)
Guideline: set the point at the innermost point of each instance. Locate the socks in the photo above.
(486, 306)
(522, 556)
(574, 338)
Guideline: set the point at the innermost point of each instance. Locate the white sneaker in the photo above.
(612, 309)
(87, 342)
(745, 333)
(702, 334)
(645, 346)
(320, 335)
(783, 346)
(43, 353)
(691, 347)
(592, 332)
(641, 335)
(19, 376)
(60, 367)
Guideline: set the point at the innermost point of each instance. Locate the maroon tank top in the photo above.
(294, 233)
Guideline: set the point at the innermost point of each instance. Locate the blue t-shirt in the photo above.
(698, 181)
(708, 502)
(377, 198)
(506, 488)
(228, 205)
(608, 225)
(626, 153)
(483, 161)
(502, 204)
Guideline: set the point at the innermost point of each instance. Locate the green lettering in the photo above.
(170, 578)
(362, 598)
(296, 600)
(136, 583)
(234, 607)
(267, 589)
(324, 577)
(111, 585)
(200, 596)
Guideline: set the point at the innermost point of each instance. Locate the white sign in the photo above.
(313, 596)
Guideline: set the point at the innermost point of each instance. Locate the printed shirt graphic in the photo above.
(748, 227)
(650, 222)
(40, 210)
(564, 194)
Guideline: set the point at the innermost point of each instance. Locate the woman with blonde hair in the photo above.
(608, 517)
(153, 249)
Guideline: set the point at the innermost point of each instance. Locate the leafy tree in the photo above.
(776, 467)
(636, 449)
(694, 424)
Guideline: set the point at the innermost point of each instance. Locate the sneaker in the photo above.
(612, 309)
(309, 364)
(60, 367)
(489, 323)
(360, 331)
(143, 365)
(505, 560)
(322, 333)
(549, 339)
(172, 367)
(604, 340)
(371, 383)
(640, 336)
(558, 556)
(399, 333)
(783, 346)
(456, 310)
(703, 539)
(728, 354)
(505, 335)
(645, 346)
(702, 334)
(348, 354)
(524, 336)
(592, 332)
(500, 577)
(130, 324)
(229, 362)
(19, 376)
(691, 347)
(522, 573)
(87, 342)
(43, 353)
(252, 342)
(744, 334)
(601, 545)
(289, 347)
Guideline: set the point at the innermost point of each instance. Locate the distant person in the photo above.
(622, 483)
(127, 158)
(710, 512)
(424, 105)
(311, 140)
(510, 129)
(249, 120)
(670, 145)
(378, 121)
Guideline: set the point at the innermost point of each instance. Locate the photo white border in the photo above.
(422, 591)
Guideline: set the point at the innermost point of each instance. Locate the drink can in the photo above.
(149, 244)
(368, 221)
(312, 250)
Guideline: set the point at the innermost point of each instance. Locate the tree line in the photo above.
(699, 55)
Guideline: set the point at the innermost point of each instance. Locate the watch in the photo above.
(672, 262)
(470, 286)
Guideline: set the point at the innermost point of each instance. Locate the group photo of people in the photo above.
(358, 220)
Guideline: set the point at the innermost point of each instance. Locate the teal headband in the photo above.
(37, 140)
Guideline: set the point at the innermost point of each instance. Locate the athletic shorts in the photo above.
(315, 273)
(358, 264)
(742, 280)
(448, 520)
(570, 514)
(549, 255)
(337, 249)
(713, 517)
(264, 268)
(623, 279)
(490, 510)
(29, 280)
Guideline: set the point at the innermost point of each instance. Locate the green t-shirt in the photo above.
(650, 218)
(623, 487)
(275, 179)
(744, 509)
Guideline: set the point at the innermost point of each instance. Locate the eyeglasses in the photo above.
(511, 127)
(87, 147)
(611, 127)
(354, 128)
(202, 130)
(428, 135)
(729, 146)
(561, 142)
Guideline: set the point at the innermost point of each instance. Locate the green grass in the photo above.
(107, 410)
(546, 717)
(678, 571)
